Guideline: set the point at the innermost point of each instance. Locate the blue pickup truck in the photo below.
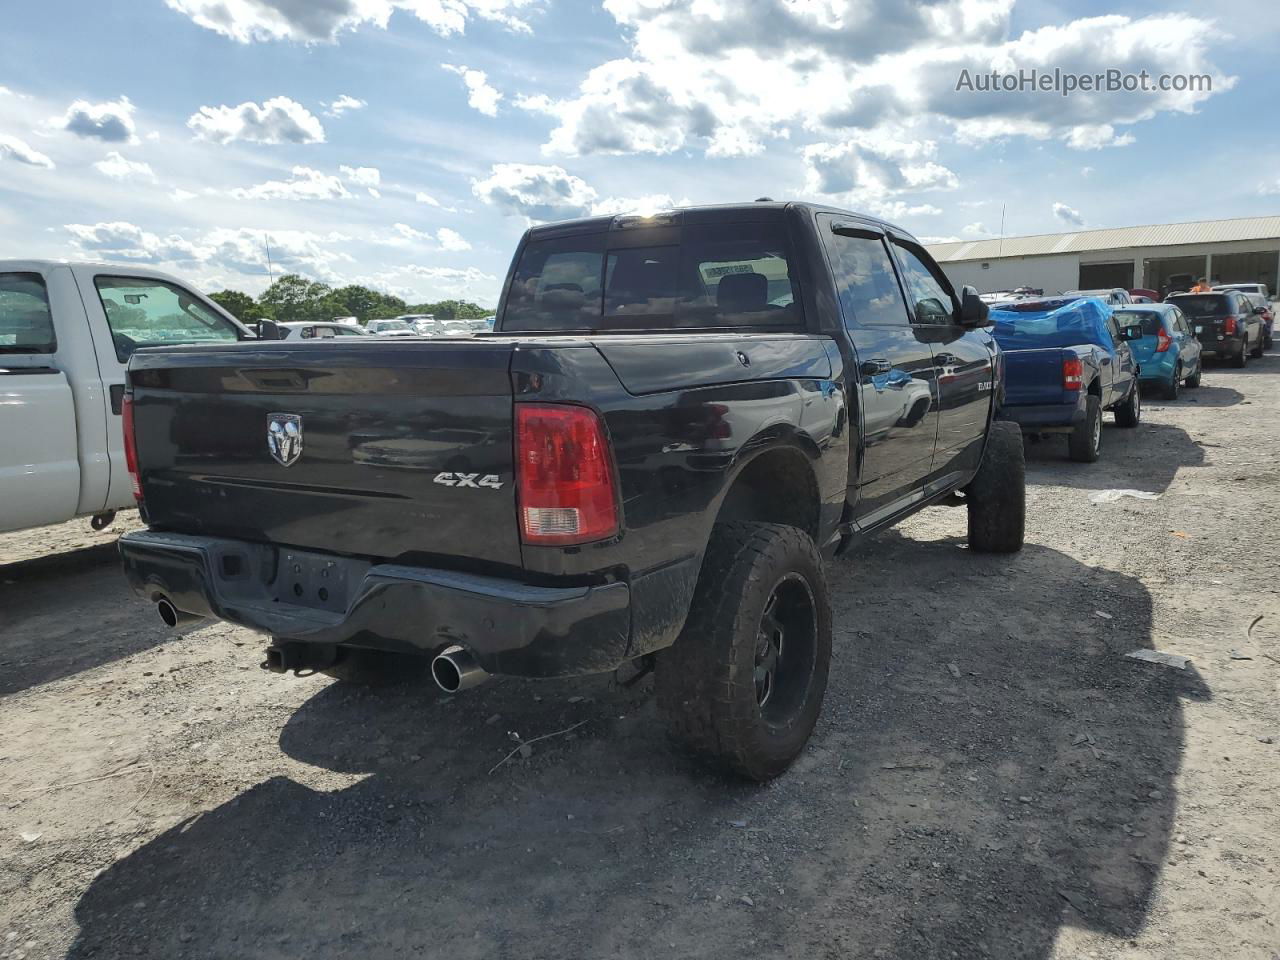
(1066, 361)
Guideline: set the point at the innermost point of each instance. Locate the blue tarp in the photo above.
(1053, 323)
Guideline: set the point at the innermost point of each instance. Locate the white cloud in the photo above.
(975, 230)
(368, 177)
(126, 241)
(1086, 171)
(12, 148)
(181, 196)
(711, 76)
(535, 191)
(469, 283)
(1268, 189)
(111, 120)
(118, 167)
(1095, 136)
(278, 120)
(314, 22)
(480, 94)
(1068, 215)
(451, 240)
(344, 104)
(304, 184)
(426, 198)
(443, 239)
(644, 206)
(872, 171)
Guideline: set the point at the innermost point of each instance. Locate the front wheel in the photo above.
(997, 497)
(744, 682)
(1085, 441)
(1129, 413)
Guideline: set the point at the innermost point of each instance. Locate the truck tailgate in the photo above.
(1033, 377)
(390, 449)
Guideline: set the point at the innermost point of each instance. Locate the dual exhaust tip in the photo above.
(455, 669)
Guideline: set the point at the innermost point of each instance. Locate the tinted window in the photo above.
(929, 297)
(729, 275)
(143, 313)
(1149, 320)
(868, 289)
(26, 325)
(1204, 305)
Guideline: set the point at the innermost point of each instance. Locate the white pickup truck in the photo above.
(66, 333)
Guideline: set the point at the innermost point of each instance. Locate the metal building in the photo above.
(1245, 250)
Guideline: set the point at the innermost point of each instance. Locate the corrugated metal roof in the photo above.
(1118, 238)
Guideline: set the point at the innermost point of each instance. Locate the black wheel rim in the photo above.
(786, 650)
(1096, 432)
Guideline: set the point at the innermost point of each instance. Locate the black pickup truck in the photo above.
(675, 421)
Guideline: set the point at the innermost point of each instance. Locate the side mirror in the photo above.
(973, 312)
(268, 330)
(1259, 310)
(1132, 332)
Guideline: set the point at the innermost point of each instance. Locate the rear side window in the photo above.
(26, 324)
(143, 312)
(713, 275)
(1149, 320)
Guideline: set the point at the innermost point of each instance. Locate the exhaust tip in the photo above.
(455, 669)
(168, 612)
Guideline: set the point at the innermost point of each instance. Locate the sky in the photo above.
(406, 144)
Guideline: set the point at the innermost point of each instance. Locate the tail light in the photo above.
(1229, 325)
(1163, 341)
(1072, 373)
(564, 476)
(130, 445)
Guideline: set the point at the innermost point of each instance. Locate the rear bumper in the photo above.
(1158, 367)
(1044, 416)
(511, 628)
(1211, 346)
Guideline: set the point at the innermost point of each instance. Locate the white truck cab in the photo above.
(67, 331)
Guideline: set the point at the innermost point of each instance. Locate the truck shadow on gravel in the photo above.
(44, 632)
(989, 768)
(1148, 458)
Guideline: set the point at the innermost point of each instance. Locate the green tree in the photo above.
(453, 310)
(293, 298)
(357, 301)
(239, 305)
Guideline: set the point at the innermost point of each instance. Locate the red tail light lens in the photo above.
(1072, 373)
(130, 445)
(1163, 341)
(564, 476)
(1229, 325)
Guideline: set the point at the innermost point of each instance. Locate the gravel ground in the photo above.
(991, 776)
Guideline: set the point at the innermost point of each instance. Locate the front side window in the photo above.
(865, 281)
(144, 313)
(26, 323)
(930, 300)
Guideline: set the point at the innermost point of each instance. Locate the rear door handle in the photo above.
(873, 368)
(116, 393)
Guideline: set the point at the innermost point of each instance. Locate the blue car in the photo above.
(1168, 354)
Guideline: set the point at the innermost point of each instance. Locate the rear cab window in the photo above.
(26, 323)
(143, 312)
(694, 276)
(1204, 304)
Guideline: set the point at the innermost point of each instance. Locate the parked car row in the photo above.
(1072, 357)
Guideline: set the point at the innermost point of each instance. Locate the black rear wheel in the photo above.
(1257, 351)
(1193, 381)
(1241, 359)
(744, 682)
(1170, 389)
(1085, 441)
(1129, 413)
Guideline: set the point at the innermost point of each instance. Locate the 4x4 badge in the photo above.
(284, 438)
(490, 480)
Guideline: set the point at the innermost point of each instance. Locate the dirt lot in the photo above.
(990, 777)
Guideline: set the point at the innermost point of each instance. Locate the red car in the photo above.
(1152, 295)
